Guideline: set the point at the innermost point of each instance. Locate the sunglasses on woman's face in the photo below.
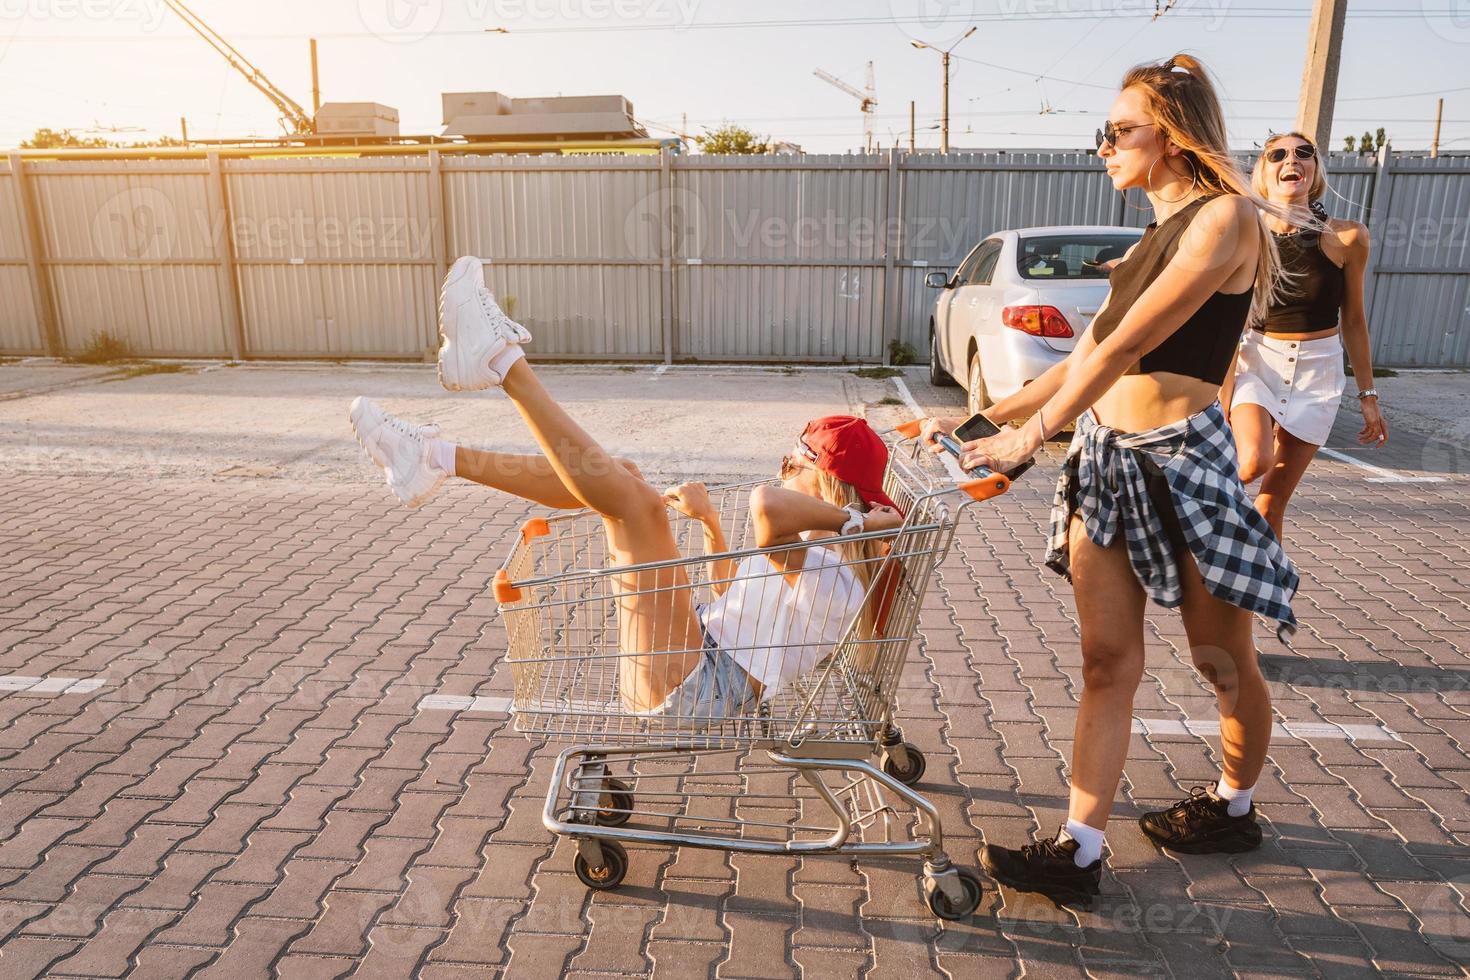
(1110, 133)
(1303, 152)
(790, 466)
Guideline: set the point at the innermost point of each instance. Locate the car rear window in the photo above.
(1070, 256)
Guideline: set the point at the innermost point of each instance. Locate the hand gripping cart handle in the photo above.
(984, 482)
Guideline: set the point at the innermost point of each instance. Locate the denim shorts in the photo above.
(717, 687)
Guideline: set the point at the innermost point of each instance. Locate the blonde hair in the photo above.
(1181, 99)
(863, 557)
(1319, 173)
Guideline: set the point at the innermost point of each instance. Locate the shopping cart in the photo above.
(701, 781)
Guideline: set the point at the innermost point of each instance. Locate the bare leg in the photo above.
(1254, 440)
(1223, 650)
(1292, 459)
(530, 477)
(656, 615)
(1110, 611)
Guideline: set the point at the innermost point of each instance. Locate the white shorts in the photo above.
(1299, 382)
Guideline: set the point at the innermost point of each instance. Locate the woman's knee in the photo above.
(1111, 667)
(1255, 462)
(630, 466)
(641, 502)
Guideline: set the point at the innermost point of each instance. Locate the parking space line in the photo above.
(1380, 475)
(1302, 730)
(460, 702)
(51, 685)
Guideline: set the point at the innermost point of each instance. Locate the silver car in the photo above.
(1017, 304)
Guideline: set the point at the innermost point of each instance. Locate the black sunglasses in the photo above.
(1305, 151)
(1110, 133)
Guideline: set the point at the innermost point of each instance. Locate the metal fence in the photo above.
(788, 258)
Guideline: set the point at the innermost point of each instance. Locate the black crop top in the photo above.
(1313, 291)
(1204, 345)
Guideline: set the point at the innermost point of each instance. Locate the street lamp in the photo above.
(944, 57)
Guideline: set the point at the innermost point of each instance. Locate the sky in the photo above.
(1036, 73)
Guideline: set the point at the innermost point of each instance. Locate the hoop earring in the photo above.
(1148, 181)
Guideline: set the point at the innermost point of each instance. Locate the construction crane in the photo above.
(867, 98)
(294, 119)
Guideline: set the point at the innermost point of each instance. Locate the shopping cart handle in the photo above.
(987, 482)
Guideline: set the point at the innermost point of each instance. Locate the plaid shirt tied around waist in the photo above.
(1105, 481)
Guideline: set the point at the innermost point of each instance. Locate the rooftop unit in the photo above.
(488, 116)
(356, 119)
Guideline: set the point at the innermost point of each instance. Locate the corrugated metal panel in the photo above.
(1422, 321)
(130, 249)
(573, 246)
(802, 313)
(20, 324)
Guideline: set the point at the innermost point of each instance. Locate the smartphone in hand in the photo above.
(978, 426)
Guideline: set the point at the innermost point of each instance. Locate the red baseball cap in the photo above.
(848, 448)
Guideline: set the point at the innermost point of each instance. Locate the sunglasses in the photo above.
(1110, 133)
(1305, 151)
(790, 465)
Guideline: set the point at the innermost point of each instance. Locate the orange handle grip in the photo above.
(909, 430)
(505, 592)
(983, 489)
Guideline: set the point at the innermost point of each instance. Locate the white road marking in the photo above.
(950, 463)
(460, 702)
(1303, 730)
(1381, 475)
(51, 685)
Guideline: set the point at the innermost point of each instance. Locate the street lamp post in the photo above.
(944, 60)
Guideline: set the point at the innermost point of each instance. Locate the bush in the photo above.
(103, 348)
(901, 353)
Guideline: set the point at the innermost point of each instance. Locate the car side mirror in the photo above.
(937, 280)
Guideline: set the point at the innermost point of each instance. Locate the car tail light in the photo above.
(1038, 321)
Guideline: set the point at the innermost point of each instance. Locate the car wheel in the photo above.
(938, 376)
(979, 398)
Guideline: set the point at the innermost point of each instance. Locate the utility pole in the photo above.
(1438, 117)
(184, 129)
(911, 126)
(1319, 80)
(316, 86)
(944, 56)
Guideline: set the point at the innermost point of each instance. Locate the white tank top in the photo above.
(777, 632)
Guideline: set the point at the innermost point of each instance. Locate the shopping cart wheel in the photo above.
(911, 770)
(615, 804)
(940, 904)
(614, 867)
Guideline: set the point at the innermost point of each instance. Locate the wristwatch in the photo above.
(856, 522)
(1368, 393)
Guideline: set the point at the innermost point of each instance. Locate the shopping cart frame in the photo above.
(589, 804)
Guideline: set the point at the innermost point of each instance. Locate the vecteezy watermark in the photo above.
(406, 21)
(934, 21)
(139, 226)
(1096, 10)
(1449, 19)
(148, 13)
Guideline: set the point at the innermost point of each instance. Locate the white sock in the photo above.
(501, 363)
(1089, 842)
(441, 454)
(1240, 799)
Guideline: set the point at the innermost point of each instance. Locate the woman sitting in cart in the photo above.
(774, 616)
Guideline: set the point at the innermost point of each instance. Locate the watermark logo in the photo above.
(401, 21)
(147, 13)
(937, 22)
(1450, 21)
(679, 214)
(137, 225)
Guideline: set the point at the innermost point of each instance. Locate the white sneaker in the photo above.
(480, 342)
(401, 449)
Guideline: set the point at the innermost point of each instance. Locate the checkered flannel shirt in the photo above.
(1105, 481)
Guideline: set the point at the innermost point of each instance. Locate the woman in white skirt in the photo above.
(1289, 378)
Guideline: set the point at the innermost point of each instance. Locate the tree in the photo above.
(1349, 143)
(731, 138)
(50, 139)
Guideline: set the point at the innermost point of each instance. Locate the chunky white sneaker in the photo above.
(401, 449)
(480, 342)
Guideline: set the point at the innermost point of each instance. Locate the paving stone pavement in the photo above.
(254, 791)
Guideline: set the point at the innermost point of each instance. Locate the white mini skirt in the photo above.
(1299, 382)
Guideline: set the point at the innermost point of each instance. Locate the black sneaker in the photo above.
(1202, 824)
(1048, 867)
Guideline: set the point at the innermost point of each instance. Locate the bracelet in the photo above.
(1041, 422)
(1368, 393)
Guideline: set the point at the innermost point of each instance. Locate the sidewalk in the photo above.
(223, 763)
